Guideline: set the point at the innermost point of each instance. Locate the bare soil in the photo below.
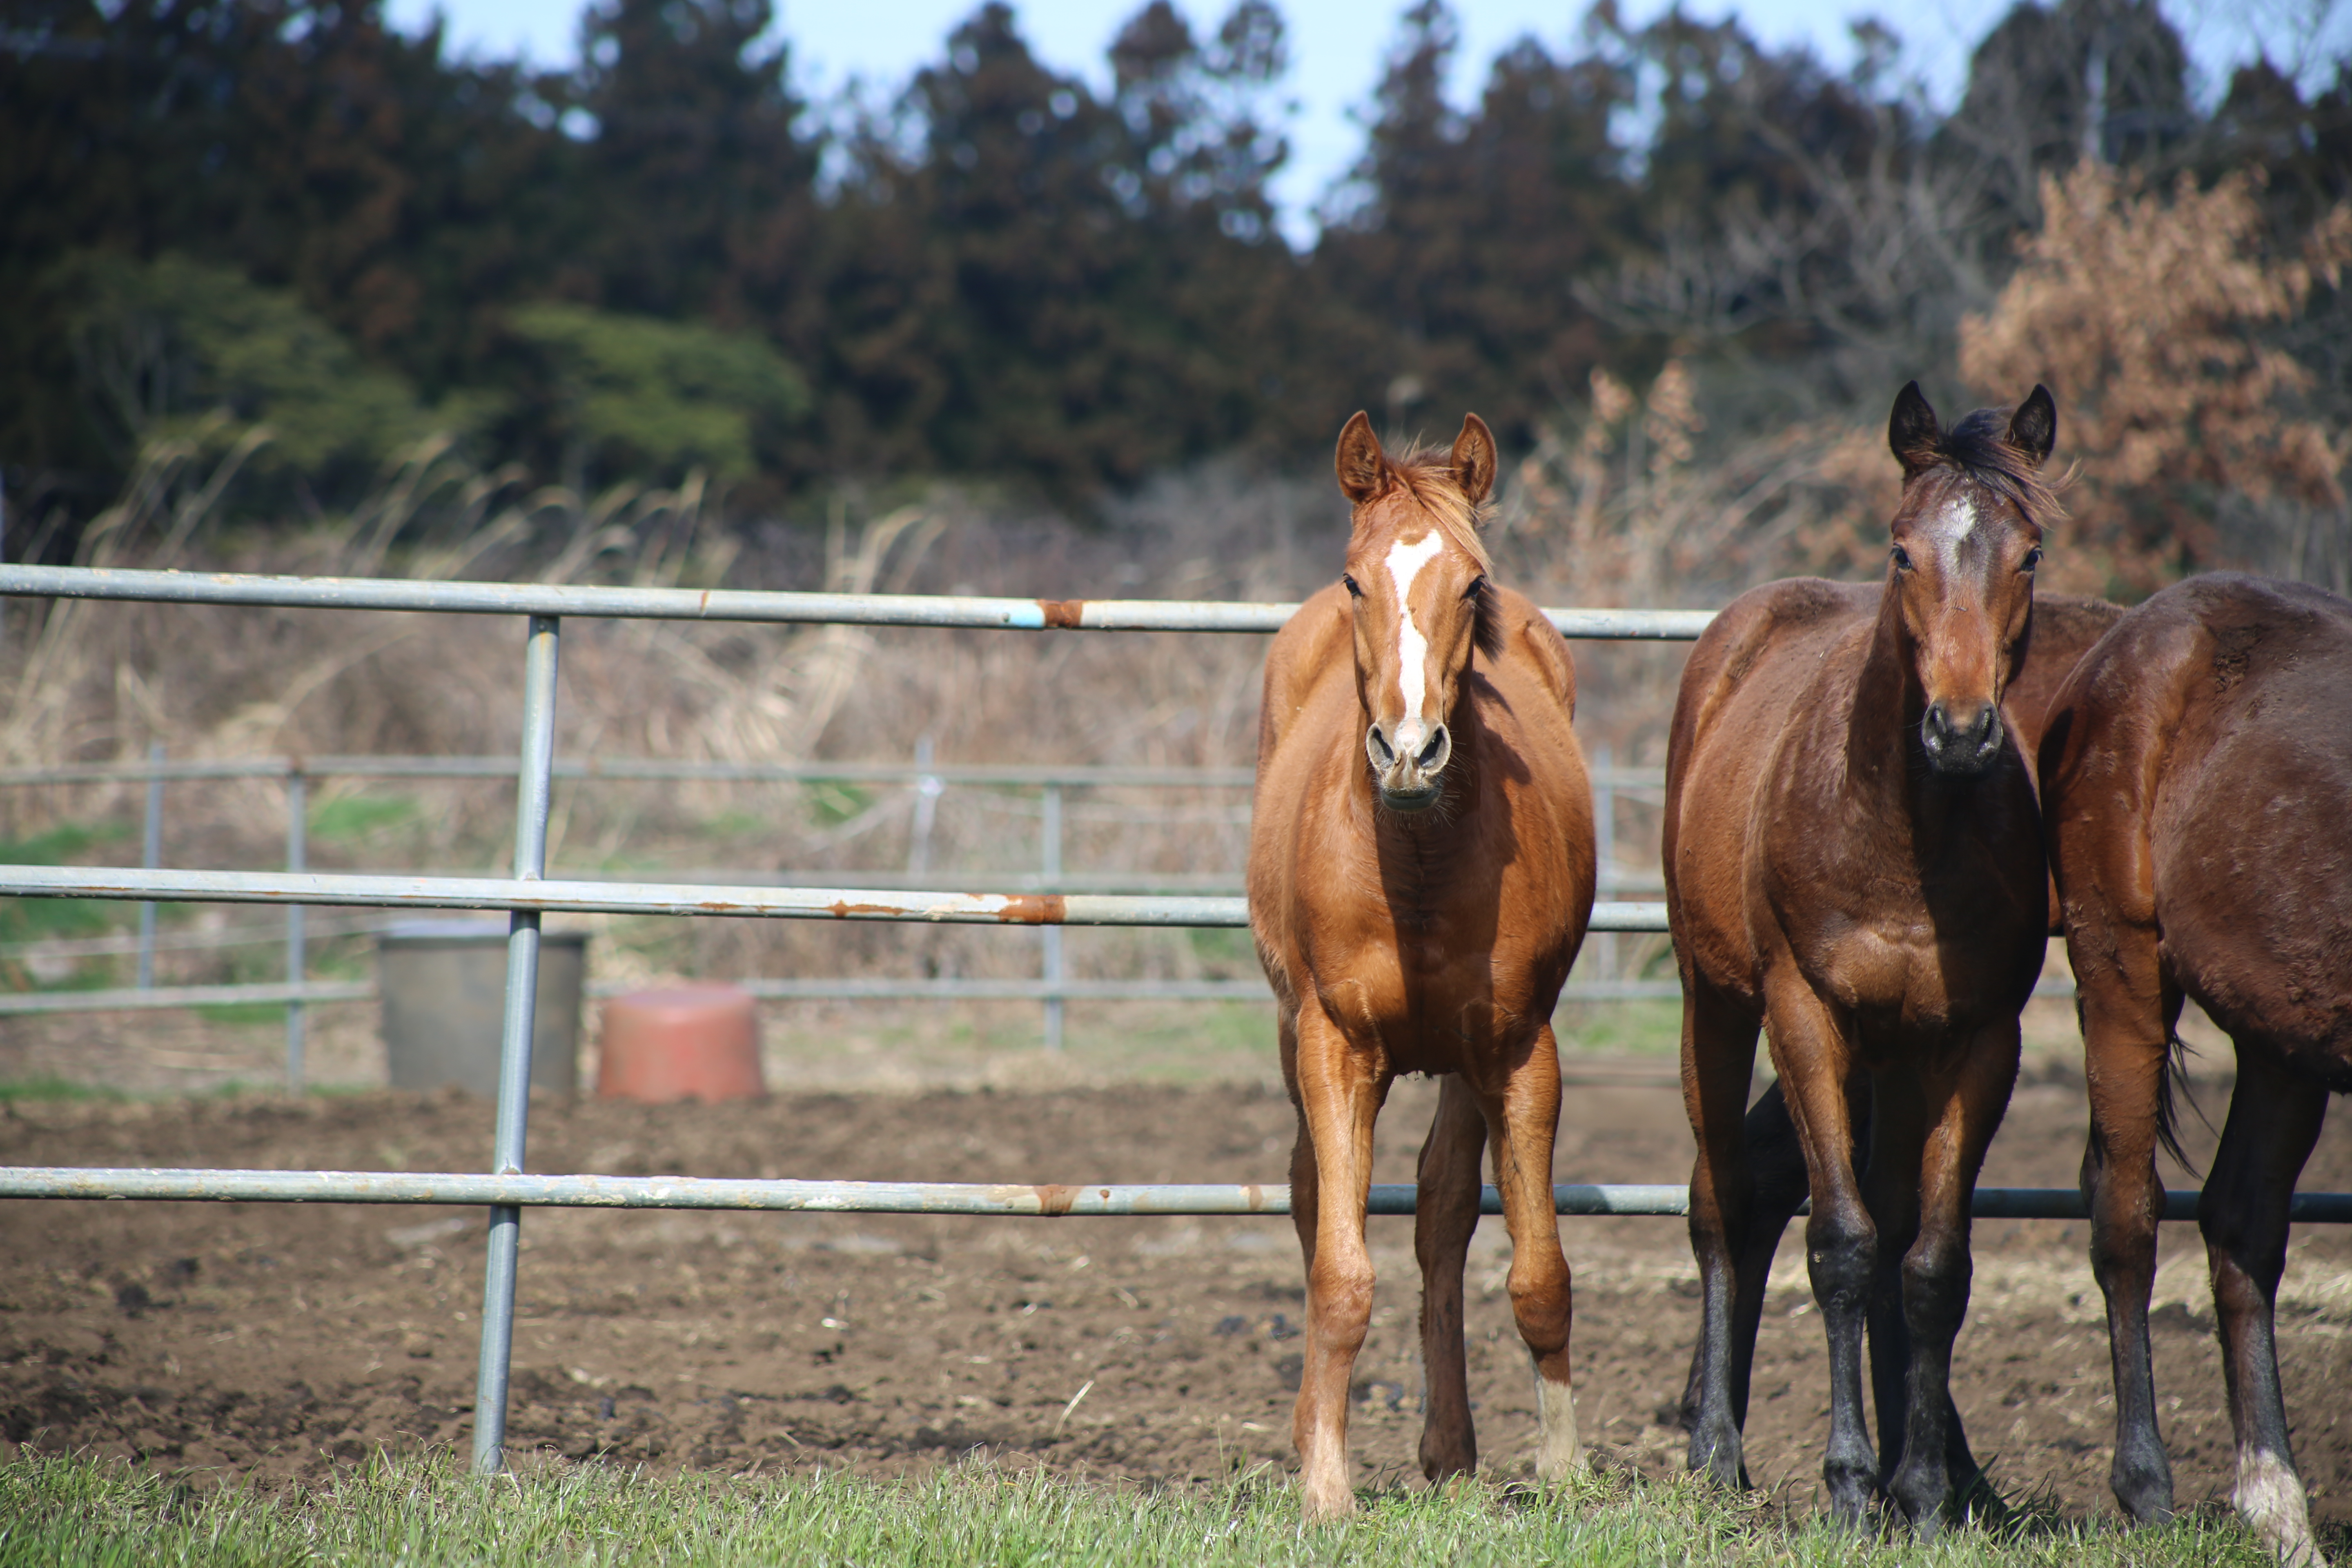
(274, 1341)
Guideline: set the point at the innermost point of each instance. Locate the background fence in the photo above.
(529, 893)
(925, 780)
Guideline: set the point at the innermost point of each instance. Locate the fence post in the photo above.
(1605, 849)
(151, 856)
(1049, 833)
(533, 789)
(297, 825)
(927, 790)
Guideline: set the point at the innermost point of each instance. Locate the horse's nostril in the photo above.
(1434, 754)
(1377, 747)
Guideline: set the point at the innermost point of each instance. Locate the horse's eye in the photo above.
(1901, 558)
(1477, 586)
(2032, 559)
(1353, 591)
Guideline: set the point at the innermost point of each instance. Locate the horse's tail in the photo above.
(2171, 1072)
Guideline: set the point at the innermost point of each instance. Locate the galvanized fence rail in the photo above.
(1053, 988)
(528, 894)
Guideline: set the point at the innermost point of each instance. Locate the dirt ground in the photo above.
(272, 1342)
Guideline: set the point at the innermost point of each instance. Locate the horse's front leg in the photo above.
(2274, 1121)
(1964, 1109)
(2125, 1012)
(1813, 1058)
(1445, 1212)
(1522, 1127)
(1338, 1095)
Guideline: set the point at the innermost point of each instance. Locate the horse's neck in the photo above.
(1881, 761)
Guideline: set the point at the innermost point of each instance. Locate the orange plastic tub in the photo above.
(685, 1042)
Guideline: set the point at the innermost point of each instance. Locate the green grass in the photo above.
(833, 801)
(63, 1510)
(48, 1086)
(1621, 1028)
(42, 920)
(347, 818)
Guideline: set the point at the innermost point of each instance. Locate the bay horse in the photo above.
(2197, 782)
(1854, 862)
(2063, 629)
(1421, 873)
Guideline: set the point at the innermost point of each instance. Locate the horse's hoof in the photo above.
(2269, 1498)
(2143, 1486)
(1851, 1488)
(1320, 1505)
(1716, 1455)
(1924, 1494)
(1438, 1470)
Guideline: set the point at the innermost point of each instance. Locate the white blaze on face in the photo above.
(1958, 521)
(1405, 562)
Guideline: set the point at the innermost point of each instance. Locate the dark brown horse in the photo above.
(1421, 873)
(1854, 862)
(2064, 627)
(2197, 779)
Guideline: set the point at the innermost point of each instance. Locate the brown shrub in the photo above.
(2145, 312)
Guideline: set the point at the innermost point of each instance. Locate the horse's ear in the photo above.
(1363, 470)
(1474, 460)
(2033, 428)
(1912, 431)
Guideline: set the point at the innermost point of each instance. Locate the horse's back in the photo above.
(2197, 772)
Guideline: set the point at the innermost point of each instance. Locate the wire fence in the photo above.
(529, 893)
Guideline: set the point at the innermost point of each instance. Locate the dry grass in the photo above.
(1622, 515)
(1636, 503)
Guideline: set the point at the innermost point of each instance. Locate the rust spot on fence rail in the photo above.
(1053, 1198)
(842, 909)
(1256, 1198)
(1034, 910)
(1063, 614)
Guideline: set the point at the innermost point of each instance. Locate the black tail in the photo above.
(2174, 1070)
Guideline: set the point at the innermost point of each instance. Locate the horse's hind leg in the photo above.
(1963, 1111)
(1775, 1172)
(2274, 1119)
(1445, 1215)
(1719, 1061)
(1338, 1096)
(1522, 1128)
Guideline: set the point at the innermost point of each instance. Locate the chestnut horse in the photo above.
(1421, 873)
(2063, 627)
(1854, 862)
(2197, 786)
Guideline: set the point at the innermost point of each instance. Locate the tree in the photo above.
(638, 393)
(1459, 239)
(700, 193)
(2146, 312)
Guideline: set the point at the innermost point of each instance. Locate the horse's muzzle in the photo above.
(1408, 760)
(1962, 746)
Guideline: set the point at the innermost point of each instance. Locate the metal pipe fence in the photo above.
(528, 894)
(1007, 1199)
(927, 779)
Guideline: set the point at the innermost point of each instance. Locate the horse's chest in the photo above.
(1423, 993)
(1905, 976)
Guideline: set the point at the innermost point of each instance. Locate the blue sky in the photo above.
(1337, 45)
